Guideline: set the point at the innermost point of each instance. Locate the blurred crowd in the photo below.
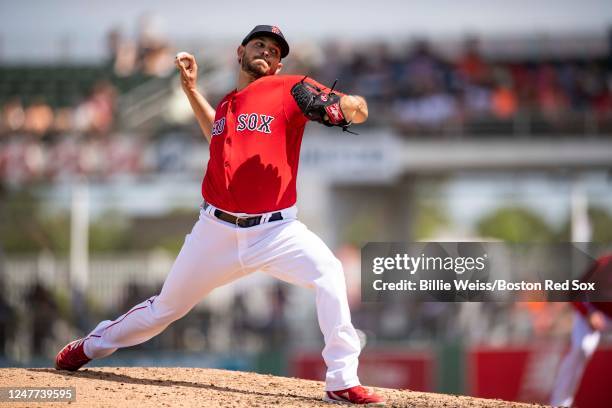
(38, 120)
(150, 53)
(25, 112)
(410, 86)
(29, 160)
(420, 91)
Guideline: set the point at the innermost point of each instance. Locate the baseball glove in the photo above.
(318, 105)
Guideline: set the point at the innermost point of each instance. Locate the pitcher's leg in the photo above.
(583, 345)
(105, 339)
(207, 260)
(294, 254)
(342, 346)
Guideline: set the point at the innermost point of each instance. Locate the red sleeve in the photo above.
(292, 110)
(581, 307)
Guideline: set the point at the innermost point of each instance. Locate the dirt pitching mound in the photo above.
(197, 387)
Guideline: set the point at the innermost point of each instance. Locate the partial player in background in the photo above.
(591, 318)
(248, 219)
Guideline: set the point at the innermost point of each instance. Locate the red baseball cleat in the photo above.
(71, 357)
(357, 395)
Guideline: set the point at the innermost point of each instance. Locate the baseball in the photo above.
(185, 58)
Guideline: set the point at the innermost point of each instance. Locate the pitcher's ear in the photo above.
(278, 68)
(240, 53)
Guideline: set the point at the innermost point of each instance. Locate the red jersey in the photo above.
(255, 147)
(601, 273)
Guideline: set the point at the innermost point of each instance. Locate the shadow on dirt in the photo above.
(126, 379)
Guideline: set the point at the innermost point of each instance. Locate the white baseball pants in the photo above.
(216, 253)
(583, 345)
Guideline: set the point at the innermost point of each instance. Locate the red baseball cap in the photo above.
(269, 31)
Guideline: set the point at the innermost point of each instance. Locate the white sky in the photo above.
(31, 29)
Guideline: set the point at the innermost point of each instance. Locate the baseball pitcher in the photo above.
(248, 218)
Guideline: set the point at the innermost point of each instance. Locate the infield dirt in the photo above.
(120, 387)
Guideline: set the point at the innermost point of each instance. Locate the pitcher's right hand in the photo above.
(188, 68)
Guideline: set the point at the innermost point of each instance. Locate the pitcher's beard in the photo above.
(253, 70)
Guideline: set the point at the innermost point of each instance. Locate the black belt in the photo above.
(243, 222)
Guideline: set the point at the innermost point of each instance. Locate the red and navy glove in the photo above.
(319, 105)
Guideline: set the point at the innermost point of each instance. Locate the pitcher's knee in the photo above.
(165, 314)
(329, 267)
(331, 291)
(331, 271)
